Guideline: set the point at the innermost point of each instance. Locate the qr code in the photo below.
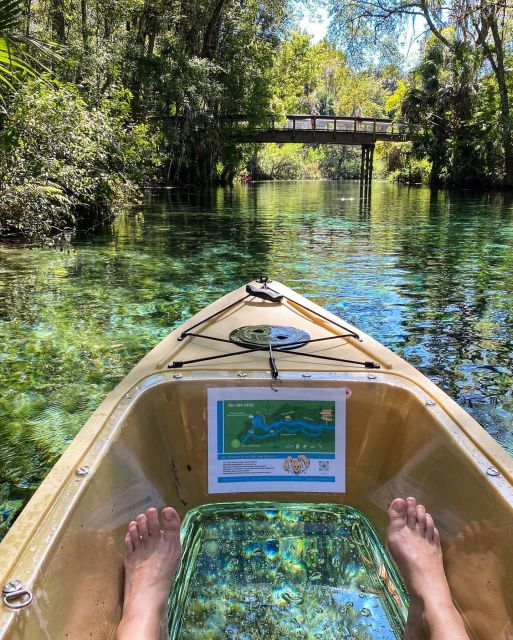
(324, 465)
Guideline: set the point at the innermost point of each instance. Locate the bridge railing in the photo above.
(343, 124)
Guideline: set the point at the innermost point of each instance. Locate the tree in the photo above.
(484, 25)
(443, 98)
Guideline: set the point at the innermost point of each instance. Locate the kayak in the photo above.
(266, 408)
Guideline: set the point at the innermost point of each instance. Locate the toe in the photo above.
(411, 512)
(421, 517)
(129, 546)
(142, 523)
(152, 515)
(436, 536)
(133, 530)
(430, 526)
(171, 522)
(397, 514)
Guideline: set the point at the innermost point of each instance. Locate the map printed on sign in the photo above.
(292, 439)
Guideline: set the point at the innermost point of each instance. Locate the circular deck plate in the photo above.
(265, 335)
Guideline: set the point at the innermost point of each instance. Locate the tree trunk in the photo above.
(142, 32)
(28, 17)
(151, 41)
(58, 23)
(85, 35)
(497, 64)
(209, 42)
(506, 131)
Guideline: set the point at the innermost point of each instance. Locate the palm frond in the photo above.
(10, 14)
(20, 55)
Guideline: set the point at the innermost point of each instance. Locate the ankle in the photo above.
(439, 616)
(143, 610)
(142, 621)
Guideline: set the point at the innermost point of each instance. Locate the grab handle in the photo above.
(264, 294)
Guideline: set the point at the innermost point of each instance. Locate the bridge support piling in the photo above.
(367, 161)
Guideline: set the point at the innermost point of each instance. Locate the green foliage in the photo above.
(366, 32)
(178, 66)
(214, 61)
(413, 171)
(467, 45)
(305, 162)
(288, 162)
(340, 162)
(16, 49)
(394, 101)
(454, 113)
(308, 76)
(61, 159)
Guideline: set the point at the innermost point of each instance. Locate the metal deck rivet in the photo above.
(83, 470)
(242, 374)
(492, 471)
(13, 591)
(430, 403)
(177, 376)
(371, 376)
(306, 375)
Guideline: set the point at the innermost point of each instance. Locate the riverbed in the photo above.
(429, 273)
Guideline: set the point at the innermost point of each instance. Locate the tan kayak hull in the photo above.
(147, 445)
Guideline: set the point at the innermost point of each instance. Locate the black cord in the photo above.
(319, 315)
(177, 364)
(217, 313)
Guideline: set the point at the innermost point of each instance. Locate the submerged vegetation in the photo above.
(101, 99)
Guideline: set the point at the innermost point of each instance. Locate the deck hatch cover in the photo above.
(265, 335)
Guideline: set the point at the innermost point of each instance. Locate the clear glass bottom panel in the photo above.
(284, 571)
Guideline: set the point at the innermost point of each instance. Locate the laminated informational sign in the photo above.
(289, 439)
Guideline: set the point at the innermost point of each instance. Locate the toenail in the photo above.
(399, 506)
(168, 515)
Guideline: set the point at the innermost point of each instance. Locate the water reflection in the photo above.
(426, 272)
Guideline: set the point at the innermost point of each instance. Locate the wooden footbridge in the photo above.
(317, 129)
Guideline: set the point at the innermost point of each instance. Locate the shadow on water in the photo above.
(428, 273)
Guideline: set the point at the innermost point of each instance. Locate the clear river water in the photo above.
(428, 273)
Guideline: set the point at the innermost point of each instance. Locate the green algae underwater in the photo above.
(428, 273)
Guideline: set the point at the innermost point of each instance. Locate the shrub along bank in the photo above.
(61, 160)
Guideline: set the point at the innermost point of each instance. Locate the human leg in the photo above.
(414, 543)
(152, 556)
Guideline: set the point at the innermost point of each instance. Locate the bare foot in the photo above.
(414, 543)
(151, 559)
